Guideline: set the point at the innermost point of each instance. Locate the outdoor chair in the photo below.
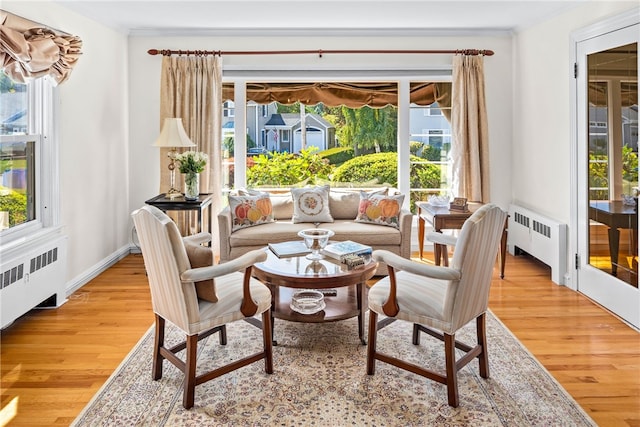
(440, 300)
(232, 294)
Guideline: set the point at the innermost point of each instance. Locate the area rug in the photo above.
(320, 379)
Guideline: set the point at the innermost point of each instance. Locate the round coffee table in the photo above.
(286, 275)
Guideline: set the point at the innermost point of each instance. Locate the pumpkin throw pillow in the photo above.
(247, 211)
(311, 204)
(380, 209)
(201, 256)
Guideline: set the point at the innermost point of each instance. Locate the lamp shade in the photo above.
(173, 134)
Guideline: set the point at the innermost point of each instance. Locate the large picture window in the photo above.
(354, 145)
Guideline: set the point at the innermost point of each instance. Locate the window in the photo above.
(430, 147)
(27, 172)
(228, 109)
(367, 135)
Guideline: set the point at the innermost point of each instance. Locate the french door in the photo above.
(607, 170)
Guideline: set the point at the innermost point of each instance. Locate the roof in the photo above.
(291, 120)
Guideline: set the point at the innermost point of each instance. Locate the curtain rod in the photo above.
(319, 52)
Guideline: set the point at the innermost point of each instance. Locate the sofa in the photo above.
(254, 219)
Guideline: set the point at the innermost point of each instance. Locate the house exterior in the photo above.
(279, 132)
(283, 133)
(429, 126)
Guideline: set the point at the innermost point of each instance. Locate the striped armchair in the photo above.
(440, 300)
(172, 279)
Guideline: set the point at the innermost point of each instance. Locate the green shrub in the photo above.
(288, 169)
(14, 203)
(431, 153)
(338, 155)
(383, 169)
(380, 166)
(414, 147)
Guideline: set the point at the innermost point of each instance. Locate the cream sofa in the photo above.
(343, 205)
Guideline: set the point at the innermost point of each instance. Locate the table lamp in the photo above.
(173, 136)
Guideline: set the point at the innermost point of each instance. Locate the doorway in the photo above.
(607, 168)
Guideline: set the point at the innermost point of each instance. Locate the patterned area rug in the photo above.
(320, 379)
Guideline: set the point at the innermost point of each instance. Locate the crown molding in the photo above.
(319, 32)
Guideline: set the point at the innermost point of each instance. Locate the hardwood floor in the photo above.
(54, 361)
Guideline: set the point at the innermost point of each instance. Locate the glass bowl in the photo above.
(438, 201)
(307, 302)
(315, 239)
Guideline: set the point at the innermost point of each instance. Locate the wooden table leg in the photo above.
(360, 302)
(614, 242)
(271, 310)
(445, 256)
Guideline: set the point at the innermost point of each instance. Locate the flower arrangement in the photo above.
(192, 161)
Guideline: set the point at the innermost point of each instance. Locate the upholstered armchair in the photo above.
(224, 293)
(441, 300)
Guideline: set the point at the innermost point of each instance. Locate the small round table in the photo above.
(286, 275)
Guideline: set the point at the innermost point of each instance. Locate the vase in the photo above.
(315, 239)
(191, 185)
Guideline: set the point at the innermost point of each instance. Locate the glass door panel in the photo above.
(608, 171)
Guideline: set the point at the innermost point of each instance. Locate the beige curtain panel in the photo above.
(352, 95)
(470, 150)
(191, 89)
(31, 50)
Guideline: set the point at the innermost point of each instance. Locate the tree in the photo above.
(369, 129)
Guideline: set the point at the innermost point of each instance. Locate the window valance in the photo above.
(352, 95)
(30, 50)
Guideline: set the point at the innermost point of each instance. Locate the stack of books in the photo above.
(289, 249)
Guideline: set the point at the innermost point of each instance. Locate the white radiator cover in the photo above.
(34, 277)
(539, 236)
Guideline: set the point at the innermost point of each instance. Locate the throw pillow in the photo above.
(201, 256)
(247, 211)
(380, 209)
(311, 204)
(343, 203)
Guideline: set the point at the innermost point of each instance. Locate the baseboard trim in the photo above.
(93, 272)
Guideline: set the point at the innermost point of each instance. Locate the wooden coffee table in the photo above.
(284, 276)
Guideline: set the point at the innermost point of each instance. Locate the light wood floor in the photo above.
(53, 361)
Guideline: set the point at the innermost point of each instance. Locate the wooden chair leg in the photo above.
(223, 335)
(267, 341)
(158, 342)
(190, 372)
(371, 342)
(416, 334)
(452, 371)
(483, 357)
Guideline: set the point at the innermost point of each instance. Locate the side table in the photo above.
(441, 218)
(180, 204)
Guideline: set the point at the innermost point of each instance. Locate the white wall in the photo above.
(93, 123)
(145, 80)
(542, 106)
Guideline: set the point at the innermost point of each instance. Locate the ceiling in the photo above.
(162, 17)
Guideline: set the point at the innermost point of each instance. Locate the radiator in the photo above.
(34, 277)
(541, 237)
